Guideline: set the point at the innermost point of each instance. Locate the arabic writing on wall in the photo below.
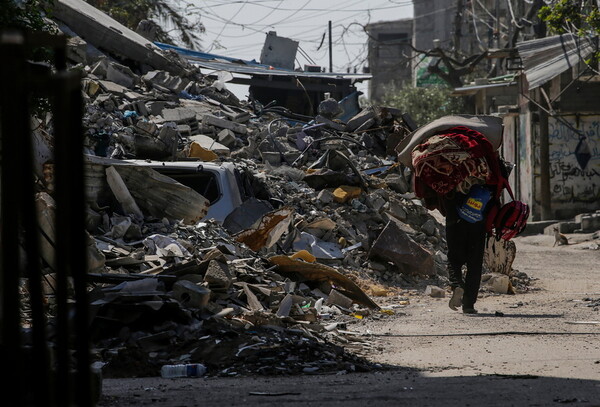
(568, 181)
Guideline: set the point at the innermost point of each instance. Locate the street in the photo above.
(535, 348)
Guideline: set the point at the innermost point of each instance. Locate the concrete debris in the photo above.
(228, 235)
(269, 230)
(397, 246)
(497, 283)
(435, 291)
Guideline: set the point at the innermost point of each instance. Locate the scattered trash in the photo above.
(190, 370)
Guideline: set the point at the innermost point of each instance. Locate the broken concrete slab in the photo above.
(227, 137)
(337, 298)
(104, 32)
(114, 72)
(77, 50)
(179, 115)
(212, 120)
(395, 245)
(246, 215)
(355, 122)
(268, 230)
(112, 87)
(164, 81)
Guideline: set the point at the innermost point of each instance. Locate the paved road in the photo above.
(543, 351)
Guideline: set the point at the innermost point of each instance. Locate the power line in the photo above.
(288, 17)
(226, 23)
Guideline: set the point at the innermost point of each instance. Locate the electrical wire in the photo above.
(227, 23)
(512, 15)
(298, 14)
(475, 24)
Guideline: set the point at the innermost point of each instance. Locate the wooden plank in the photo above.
(119, 189)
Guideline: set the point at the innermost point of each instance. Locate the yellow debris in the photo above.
(304, 255)
(345, 193)
(197, 151)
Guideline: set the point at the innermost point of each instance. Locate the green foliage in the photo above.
(25, 15)
(131, 12)
(571, 16)
(575, 16)
(30, 16)
(424, 104)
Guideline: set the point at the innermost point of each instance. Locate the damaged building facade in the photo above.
(543, 89)
(550, 116)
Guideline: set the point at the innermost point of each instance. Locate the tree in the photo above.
(577, 17)
(424, 104)
(25, 15)
(457, 63)
(130, 13)
(570, 16)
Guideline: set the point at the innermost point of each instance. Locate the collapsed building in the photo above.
(245, 238)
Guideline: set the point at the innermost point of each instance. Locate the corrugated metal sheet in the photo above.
(546, 58)
(473, 89)
(252, 68)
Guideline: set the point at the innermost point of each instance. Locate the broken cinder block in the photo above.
(218, 276)
(190, 294)
(211, 120)
(337, 298)
(226, 137)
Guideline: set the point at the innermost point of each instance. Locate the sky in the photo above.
(238, 28)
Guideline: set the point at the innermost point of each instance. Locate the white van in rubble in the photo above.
(220, 183)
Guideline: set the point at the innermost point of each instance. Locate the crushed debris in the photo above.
(241, 238)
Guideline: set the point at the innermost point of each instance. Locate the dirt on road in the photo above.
(540, 347)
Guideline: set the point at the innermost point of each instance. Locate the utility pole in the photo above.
(330, 49)
(458, 20)
(545, 191)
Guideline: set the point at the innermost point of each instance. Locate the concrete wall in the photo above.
(510, 150)
(389, 59)
(574, 189)
(433, 20)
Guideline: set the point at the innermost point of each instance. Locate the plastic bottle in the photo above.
(189, 370)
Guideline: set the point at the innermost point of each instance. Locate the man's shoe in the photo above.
(469, 310)
(456, 300)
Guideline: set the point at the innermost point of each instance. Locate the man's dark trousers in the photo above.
(466, 245)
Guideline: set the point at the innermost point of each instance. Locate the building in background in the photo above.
(390, 55)
(478, 26)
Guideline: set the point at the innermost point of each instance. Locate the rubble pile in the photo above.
(316, 220)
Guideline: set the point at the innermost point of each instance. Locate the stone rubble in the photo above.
(337, 228)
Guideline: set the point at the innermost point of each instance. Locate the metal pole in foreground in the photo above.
(330, 49)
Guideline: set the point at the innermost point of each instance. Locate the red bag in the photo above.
(511, 218)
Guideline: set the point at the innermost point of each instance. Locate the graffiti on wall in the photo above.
(569, 182)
